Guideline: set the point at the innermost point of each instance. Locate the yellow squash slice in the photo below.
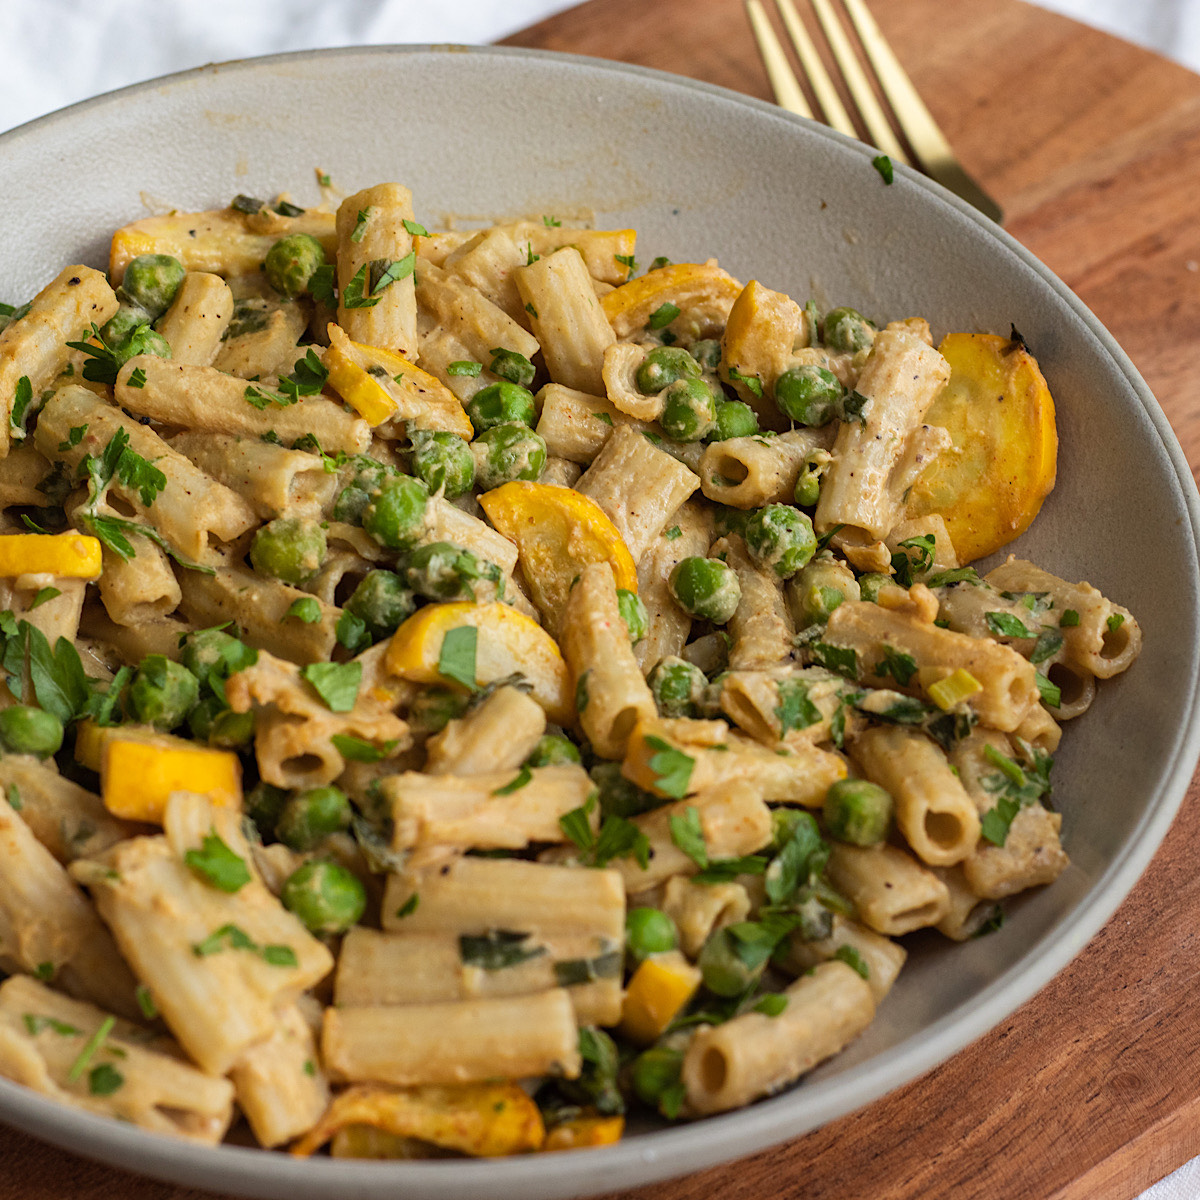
(380, 384)
(998, 410)
(702, 292)
(558, 532)
(69, 554)
(581, 1133)
(656, 994)
(507, 643)
(482, 1119)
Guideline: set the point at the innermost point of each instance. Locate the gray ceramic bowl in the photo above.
(698, 171)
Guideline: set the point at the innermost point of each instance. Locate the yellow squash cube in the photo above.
(70, 554)
(656, 994)
(138, 775)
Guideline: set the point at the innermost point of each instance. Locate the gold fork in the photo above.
(914, 120)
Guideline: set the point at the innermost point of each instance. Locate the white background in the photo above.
(55, 52)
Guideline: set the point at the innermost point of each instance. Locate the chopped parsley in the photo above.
(409, 906)
(672, 533)
(464, 366)
(1115, 621)
(360, 225)
(146, 1002)
(795, 710)
(73, 438)
(356, 749)
(672, 768)
(497, 949)
(336, 683)
(726, 870)
(662, 316)
(137, 378)
(306, 609)
(883, 165)
(842, 660)
(602, 416)
(627, 260)
(1004, 624)
(456, 658)
(688, 835)
(900, 666)
(523, 777)
(43, 595)
(751, 382)
(90, 1047)
(772, 1004)
(351, 632)
(414, 229)
(104, 1080)
(217, 864)
(1069, 619)
(852, 958)
(231, 937)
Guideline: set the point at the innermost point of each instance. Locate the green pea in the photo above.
(869, 585)
(501, 403)
(707, 352)
(206, 649)
(151, 281)
(290, 263)
(781, 537)
(723, 970)
(514, 367)
(28, 730)
(290, 549)
(395, 516)
(433, 709)
(633, 613)
(214, 722)
(664, 365)
(654, 1071)
(326, 896)
(442, 462)
(808, 486)
(506, 453)
(649, 931)
(162, 692)
(620, 797)
(363, 476)
(808, 394)
(847, 330)
(818, 588)
(706, 588)
(444, 571)
(117, 330)
(734, 419)
(382, 601)
(858, 811)
(553, 750)
(689, 410)
(677, 686)
(264, 803)
(313, 815)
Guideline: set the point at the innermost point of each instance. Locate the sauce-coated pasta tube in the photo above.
(727, 1066)
(197, 319)
(761, 627)
(881, 956)
(699, 908)
(33, 348)
(934, 813)
(207, 399)
(455, 1042)
(748, 472)
(611, 693)
(373, 241)
(891, 891)
(499, 735)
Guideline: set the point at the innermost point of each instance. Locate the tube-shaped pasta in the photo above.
(967, 912)
(259, 607)
(748, 472)
(891, 891)
(446, 523)
(639, 487)
(727, 1066)
(197, 318)
(34, 347)
(43, 1034)
(799, 773)
(1107, 637)
(877, 458)
(372, 240)
(699, 908)
(478, 324)
(464, 1041)
(499, 735)
(139, 589)
(575, 425)
(755, 701)
(68, 820)
(881, 957)
(20, 473)
(668, 625)
(761, 627)
(131, 643)
(254, 955)
(278, 1084)
(566, 318)
(271, 479)
(1008, 683)
(204, 398)
(610, 690)
(477, 812)
(473, 895)
(424, 968)
(934, 813)
(48, 928)
(1040, 729)
(487, 261)
(56, 617)
(188, 511)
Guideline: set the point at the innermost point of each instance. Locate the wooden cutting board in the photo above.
(1091, 1091)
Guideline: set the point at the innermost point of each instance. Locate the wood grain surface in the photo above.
(1091, 1091)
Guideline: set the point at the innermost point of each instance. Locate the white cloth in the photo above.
(56, 52)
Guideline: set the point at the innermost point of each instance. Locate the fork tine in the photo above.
(915, 119)
(783, 81)
(810, 61)
(856, 80)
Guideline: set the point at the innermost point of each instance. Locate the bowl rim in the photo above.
(677, 1150)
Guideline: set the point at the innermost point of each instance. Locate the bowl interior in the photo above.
(699, 172)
